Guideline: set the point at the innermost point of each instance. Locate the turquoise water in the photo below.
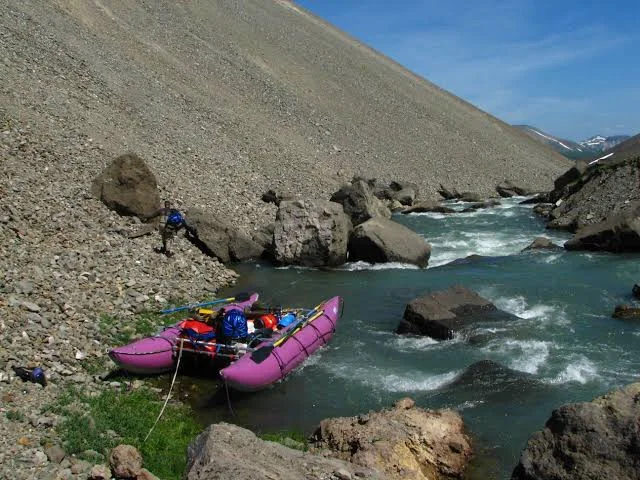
(565, 346)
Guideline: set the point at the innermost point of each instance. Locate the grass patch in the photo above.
(288, 438)
(120, 331)
(113, 417)
(15, 416)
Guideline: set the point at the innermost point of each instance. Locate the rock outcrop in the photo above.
(595, 440)
(380, 240)
(600, 193)
(619, 233)
(227, 451)
(221, 239)
(626, 312)
(312, 233)
(128, 187)
(405, 442)
(359, 202)
(441, 314)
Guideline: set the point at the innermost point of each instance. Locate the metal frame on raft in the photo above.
(195, 343)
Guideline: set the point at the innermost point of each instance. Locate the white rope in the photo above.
(175, 374)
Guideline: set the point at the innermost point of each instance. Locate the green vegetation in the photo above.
(15, 415)
(100, 423)
(291, 439)
(120, 331)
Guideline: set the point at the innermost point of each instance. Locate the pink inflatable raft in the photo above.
(157, 354)
(274, 359)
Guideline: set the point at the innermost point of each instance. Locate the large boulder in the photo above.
(405, 192)
(312, 233)
(448, 193)
(542, 243)
(380, 240)
(591, 440)
(359, 202)
(619, 233)
(570, 176)
(128, 187)
(508, 189)
(227, 451)
(490, 203)
(221, 239)
(441, 314)
(125, 461)
(406, 442)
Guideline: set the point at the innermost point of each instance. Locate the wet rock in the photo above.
(508, 189)
(470, 197)
(448, 193)
(380, 240)
(481, 205)
(636, 290)
(125, 461)
(597, 439)
(626, 311)
(428, 206)
(405, 442)
(542, 243)
(441, 314)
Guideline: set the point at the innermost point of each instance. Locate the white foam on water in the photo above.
(551, 259)
(581, 370)
(409, 343)
(518, 306)
(524, 356)
(416, 381)
(377, 378)
(469, 404)
(359, 266)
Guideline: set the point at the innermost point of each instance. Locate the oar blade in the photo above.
(261, 354)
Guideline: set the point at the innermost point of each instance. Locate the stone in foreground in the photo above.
(405, 442)
(227, 451)
(591, 440)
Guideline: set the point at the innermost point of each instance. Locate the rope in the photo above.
(175, 374)
(226, 387)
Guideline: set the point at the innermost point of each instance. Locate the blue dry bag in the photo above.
(175, 219)
(287, 320)
(234, 324)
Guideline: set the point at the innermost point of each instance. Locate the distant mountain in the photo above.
(574, 150)
(598, 143)
(623, 151)
(568, 148)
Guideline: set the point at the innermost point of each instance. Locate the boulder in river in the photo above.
(626, 311)
(448, 193)
(590, 440)
(542, 243)
(405, 442)
(312, 233)
(380, 240)
(428, 206)
(128, 186)
(440, 315)
(636, 290)
(508, 189)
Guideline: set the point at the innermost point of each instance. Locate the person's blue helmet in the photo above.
(175, 218)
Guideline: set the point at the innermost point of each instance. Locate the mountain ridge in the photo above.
(235, 93)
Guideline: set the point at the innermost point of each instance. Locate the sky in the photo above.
(568, 67)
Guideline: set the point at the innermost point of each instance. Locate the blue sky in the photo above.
(569, 67)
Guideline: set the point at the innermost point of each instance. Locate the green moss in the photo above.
(102, 422)
(288, 438)
(15, 415)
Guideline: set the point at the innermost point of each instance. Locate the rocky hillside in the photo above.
(223, 98)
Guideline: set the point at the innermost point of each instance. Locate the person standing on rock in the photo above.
(171, 222)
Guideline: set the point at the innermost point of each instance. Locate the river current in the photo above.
(565, 347)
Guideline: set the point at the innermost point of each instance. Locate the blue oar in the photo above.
(240, 297)
(261, 354)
